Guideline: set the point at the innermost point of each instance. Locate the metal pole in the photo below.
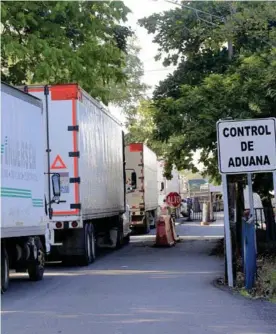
(251, 203)
(227, 232)
(230, 42)
(274, 186)
(250, 255)
(230, 49)
(250, 194)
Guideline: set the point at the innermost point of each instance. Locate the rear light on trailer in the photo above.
(58, 225)
(136, 147)
(75, 224)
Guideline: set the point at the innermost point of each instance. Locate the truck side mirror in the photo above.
(133, 180)
(56, 185)
(162, 186)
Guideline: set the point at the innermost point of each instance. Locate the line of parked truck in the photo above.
(69, 184)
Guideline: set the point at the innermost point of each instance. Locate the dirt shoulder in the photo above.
(265, 286)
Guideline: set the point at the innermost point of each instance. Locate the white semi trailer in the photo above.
(141, 171)
(23, 226)
(87, 150)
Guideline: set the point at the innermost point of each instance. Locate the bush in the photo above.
(266, 279)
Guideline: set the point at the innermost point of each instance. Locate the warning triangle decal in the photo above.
(58, 163)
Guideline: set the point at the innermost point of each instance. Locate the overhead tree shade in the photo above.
(207, 85)
(66, 41)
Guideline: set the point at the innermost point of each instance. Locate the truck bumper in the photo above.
(137, 220)
(60, 226)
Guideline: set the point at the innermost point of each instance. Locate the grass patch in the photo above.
(265, 286)
(244, 293)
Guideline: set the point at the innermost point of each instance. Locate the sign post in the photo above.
(227, 232)
(274, 185)
(244, 147)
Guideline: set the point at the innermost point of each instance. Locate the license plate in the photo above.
(64, 183)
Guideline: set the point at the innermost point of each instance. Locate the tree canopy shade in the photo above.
(140, 125)
(126, 94)
(65, 41)
(208, 85)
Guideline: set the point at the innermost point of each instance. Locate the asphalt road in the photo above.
(138, 289)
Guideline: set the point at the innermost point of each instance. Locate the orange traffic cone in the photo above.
(164, 235)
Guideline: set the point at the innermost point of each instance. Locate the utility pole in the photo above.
(229, 43)
(230, 49)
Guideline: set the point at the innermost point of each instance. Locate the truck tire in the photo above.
(36, 266)
(89, 246)
(146, 226)
(120, 233)
(127, 239)
(5, 267)
(92, 244)
(152, 220)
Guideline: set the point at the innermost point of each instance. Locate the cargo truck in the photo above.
(87, 150)
(141, 178)
(23, 169)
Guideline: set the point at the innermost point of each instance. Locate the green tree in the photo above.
(65, 41)
(208, 85)
(214, 81)
(126, 94)
(141, 126)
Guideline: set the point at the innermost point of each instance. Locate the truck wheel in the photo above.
(120, 233)
(92, 244)
(146, 227)
(127, 239)
(36, 267)
(89, 245)
(4, 270)
(152, 220)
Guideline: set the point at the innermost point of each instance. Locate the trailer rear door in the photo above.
(60, 102)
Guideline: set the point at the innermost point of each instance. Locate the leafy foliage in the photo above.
(141, 128)
(208, 84)
(140, 125)
(65, 41)
(194, 27)
(126, 94)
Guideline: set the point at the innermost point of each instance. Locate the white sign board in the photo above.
(247, 146)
